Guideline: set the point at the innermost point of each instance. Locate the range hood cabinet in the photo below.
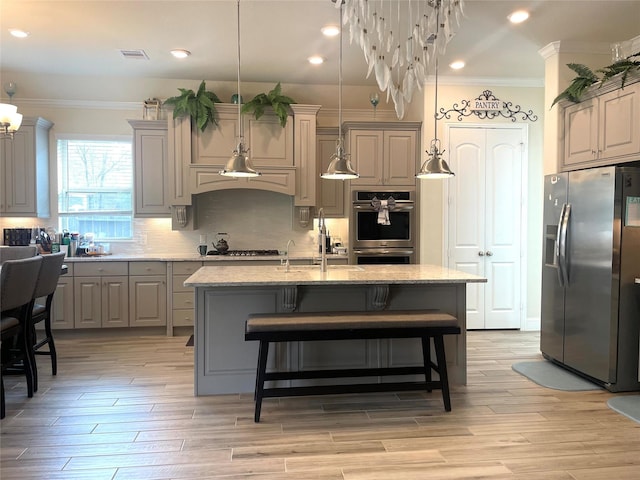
(286, 157)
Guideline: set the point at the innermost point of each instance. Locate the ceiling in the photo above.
(84, 37)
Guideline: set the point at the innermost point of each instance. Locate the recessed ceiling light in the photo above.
(180, 53)
(316, 60)
(518, 16)
(330, 30)
(457, 65)
(16, 32)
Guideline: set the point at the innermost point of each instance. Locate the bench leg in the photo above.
(426, 355)
(262, 368)
(438, 341)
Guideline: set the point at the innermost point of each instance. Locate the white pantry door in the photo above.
(484, 220)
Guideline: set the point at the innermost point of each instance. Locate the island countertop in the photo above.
(264, 275)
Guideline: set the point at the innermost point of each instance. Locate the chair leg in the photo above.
(28, 362)
(262, 368)
(438, 341)
(2, 408)
(426, 355)
(52, 346)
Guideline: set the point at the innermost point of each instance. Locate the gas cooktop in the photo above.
(245, 253)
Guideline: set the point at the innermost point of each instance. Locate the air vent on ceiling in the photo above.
(134, 54)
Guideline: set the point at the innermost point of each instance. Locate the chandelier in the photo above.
(399, 40)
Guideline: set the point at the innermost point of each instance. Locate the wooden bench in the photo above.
(294, 327)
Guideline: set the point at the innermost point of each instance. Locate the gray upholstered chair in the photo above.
(17, 285)
(46, 287)
(16, 253)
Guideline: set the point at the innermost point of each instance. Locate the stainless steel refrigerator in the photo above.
(591, 258)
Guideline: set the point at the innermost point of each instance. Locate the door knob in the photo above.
(481, 253)
(489, 253)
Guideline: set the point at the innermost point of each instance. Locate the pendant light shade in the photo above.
(239, 165)
(435, 166)
(340, 166)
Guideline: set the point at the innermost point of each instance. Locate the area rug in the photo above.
(190, 342)
(549, 375)
(628, 405)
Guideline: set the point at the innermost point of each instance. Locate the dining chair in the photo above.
(16, 253)
(45, 288)
(17, 284)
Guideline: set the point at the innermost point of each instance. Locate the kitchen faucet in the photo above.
(323, 240)
(286, 263)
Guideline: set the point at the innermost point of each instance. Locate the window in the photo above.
(95, 187)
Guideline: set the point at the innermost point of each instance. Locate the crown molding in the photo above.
(84, 104)
(568, 46)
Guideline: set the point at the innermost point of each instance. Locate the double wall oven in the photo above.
(383, 227)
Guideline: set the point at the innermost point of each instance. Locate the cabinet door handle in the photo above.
(489, 253)
(481, 253)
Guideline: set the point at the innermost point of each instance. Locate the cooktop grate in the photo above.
(245, 253)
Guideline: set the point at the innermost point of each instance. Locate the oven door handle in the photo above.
(382, 251)
(369, 208)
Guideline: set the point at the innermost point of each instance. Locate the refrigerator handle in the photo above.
(558, 245)
(564, 263)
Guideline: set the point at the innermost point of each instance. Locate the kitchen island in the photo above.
(226, 295)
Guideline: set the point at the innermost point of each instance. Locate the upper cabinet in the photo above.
(384, 153)
(602, 129)
(284, 156)
(151, 185)
(24, 170)
(331, 193)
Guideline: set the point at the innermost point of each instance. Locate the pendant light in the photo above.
(239, 165)
(340, 166)
(435, 167)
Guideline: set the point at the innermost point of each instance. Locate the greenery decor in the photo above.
(280, 104)
(199, 106)
(587, 77)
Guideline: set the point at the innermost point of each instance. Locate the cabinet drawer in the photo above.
(178, 281)
(89, 269)
(183, 317)
(183, 300)
(147, 268)
(186, 268)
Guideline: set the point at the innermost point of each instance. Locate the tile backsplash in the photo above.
(253, 219)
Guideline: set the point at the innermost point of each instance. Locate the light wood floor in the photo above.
(123, 408)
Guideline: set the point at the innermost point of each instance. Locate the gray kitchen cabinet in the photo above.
(151, 173)
(602, 129)
(384, 153)
(183, 298)
(331, 193)
(101, 295)
(270, 150)
(24, 170)
(147, 294)
(62, 305)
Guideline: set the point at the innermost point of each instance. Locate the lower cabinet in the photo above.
(147, 294)
(183, 297)
(62, 306)
(101, 301)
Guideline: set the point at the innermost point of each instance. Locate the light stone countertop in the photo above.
(188, 257)
(264, 275)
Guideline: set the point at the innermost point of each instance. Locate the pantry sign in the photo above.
(487, 106)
